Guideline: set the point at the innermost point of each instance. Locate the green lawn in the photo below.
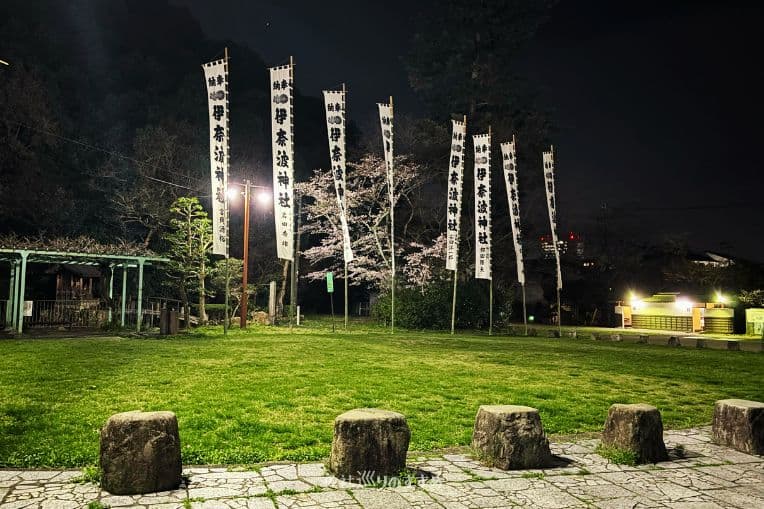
(271, 395)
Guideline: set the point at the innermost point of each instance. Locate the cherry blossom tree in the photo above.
(368, 207)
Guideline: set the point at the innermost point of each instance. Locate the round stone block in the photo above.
(140, 453)
(739, 423)
(511, 437)
(637, 428)
(369, 443)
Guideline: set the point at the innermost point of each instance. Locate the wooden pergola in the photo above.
(19, 258)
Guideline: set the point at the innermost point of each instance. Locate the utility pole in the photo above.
(244, 276)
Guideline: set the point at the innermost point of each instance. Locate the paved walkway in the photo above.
(699, 475)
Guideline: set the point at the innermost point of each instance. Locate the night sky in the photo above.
(656, 104)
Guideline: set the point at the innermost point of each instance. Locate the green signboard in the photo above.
(330, 282)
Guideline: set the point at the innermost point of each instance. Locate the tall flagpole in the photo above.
(227, 233)
(525, 312)
(559, 269)
(490, 283)
(456, 279)
(295, 254)
(344, 205)
(392, 230)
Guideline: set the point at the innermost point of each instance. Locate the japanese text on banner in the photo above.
(282, 131)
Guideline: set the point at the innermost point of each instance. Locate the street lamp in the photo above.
(263, 197)
(3, 62)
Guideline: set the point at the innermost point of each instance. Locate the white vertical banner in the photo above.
(386, 122)
(454, 199)
(509, 158)
(334, 106)
(282, 132)
(216, 77)
(482, 144)
(548, 163)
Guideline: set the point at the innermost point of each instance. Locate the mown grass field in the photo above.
(268, 394)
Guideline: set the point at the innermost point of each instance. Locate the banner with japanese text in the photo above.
(482, 144)
(509, 158)
(334, 105)
(548, 163)
(454, 202)
(386, 122)
(282, 131)
(216, 77)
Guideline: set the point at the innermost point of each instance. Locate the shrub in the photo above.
(431, 309)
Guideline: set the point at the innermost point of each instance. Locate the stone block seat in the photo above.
(739, 423)
(140, 453)
(637, 428)
(511, 437)
(369, 443)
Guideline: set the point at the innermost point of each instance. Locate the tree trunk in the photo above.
(186, 308)
(282, 290)
(202, 292)
(202, 302)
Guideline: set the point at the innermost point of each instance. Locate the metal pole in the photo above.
(245, 260)
(331, 299)
(22, 287)
(392, 234)
(453, 307)
(525, 312)
(559, 315)
(490, 307)
(296, 274)
(227, 293)
(16, 288)
(111, 290)
(124, 293)
(11, 297)
(139, 317)
(346, 295)
(344, 211)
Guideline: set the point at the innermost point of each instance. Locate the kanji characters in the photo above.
(218, 110)
(281, 138)
(280, 115)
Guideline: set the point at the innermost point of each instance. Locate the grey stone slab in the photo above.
(296, 485)
(214, 492)
(119, 500)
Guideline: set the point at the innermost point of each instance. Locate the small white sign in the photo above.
(28, 307)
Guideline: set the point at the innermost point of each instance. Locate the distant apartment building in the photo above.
(570, 245)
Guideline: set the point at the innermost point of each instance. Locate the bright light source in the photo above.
(233, 193)
(685, 304)
(263, 197)
(722, 299)
(531, 318)
(637, 304)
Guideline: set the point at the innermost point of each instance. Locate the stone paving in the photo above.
(698, 475)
